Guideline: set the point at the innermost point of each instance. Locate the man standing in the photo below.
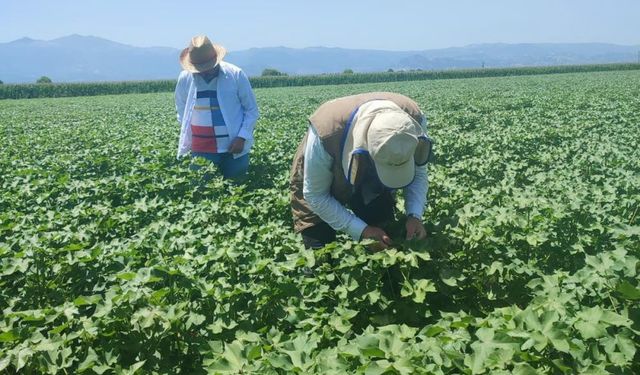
(358, 150)
(216, 108)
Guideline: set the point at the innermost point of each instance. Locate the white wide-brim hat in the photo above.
(395, 142)
(201, 55)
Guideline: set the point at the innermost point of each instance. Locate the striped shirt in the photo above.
(208, 128)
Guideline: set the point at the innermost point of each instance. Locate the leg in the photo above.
(214, 158)
(318, 235)
(234, 168)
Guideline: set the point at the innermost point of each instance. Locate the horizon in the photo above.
(404, 26)
(320, 46)
(89, 58)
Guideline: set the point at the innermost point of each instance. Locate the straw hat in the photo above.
(395, 142)
(201, 55)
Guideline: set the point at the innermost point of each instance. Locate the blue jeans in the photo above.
(234, 169)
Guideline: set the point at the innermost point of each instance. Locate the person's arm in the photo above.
(180, 95)
(316, 190)
(415, 198)
(415, 195)
(249, 107)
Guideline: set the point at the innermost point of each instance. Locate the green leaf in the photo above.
(417, 289)
(101, 369)
(87, 300)
(280, 361)
(562, 367)
(8, 336)
(89, 361)
(195, 320)
(590, 329)
(134, 368)
(254, 352)
(524, 369)
(128, 276)
(392, 345)
(485, 334)
(628, 291)
(620, 348)
(421, 288)
(615, 319)
(593, 322)
(434, 330)
(377, 367)
(368, 345)
(339, 324)
(233, 359)
(5, 361)
(23, 357)
(450, 276)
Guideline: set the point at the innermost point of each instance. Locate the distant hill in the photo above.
(331, 60)
(85, 58)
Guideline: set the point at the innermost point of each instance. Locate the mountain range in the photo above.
(78, 58)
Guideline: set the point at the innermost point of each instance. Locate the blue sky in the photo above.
(373, 24)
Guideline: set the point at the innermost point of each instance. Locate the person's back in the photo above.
(357, 152)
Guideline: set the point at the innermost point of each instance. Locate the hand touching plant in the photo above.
(377, 234)
(415, 229)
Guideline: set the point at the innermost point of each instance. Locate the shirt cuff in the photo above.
(355, 228)
(414, 209)
(244, 133)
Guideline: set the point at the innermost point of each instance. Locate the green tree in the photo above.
(389, 70)
(1, 83)
(44, 79)
(348, 71)
(272, 72)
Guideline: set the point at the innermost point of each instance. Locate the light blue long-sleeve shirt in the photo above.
(237, 104)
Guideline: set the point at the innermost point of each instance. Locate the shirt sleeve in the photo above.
(415, 195)
(249, 106)
(180, 96)
(316, 190)
(425, 122)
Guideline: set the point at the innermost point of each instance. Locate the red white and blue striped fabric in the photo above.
(208, 129)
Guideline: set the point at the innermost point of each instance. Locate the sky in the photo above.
(373, 24)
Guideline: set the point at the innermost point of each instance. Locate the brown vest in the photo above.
(329, 121)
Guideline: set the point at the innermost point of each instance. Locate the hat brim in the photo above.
(396, 176)
(347, 156)
(423, 150)
(199, 68)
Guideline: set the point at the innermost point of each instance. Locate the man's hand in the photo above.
(237, 145)
(377, 234)
(415, 229)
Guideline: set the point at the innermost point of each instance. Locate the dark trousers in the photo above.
(379, 212)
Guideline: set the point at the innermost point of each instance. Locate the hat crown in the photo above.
(201, 55)
(392, 138)
(396, 150)
(201, 50)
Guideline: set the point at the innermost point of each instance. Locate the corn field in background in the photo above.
(24, 91)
